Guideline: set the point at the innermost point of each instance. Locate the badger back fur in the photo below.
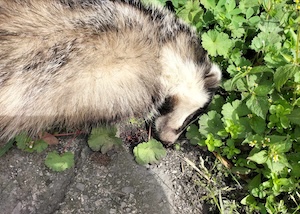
(80, 62)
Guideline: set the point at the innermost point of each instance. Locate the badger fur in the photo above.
(69, 63)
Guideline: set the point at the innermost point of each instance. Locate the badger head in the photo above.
(190, 87)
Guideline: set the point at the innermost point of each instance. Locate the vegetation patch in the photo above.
(253, 122)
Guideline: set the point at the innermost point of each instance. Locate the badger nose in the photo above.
(168, 136)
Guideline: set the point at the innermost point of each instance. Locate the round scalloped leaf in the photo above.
(149, 152)
(58, 162)
(103, 139)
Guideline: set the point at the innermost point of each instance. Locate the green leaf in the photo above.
(275, 167)
(248, 200)
(265, 40)
(257, 124)
(294, 117)
(229, 110)
(259, 192)
(58, 162)
(22, 141)
(208, 4)
(257, 44)
(249, 12)
(254, 140)
(237, 22)
(217, 43)
(295, 170)
(238, 32)
(235, 129)
(269, 27)
(258, 105)
(217, 103)
(212, 143)
(149, 152)
(254, 20)
(282, 185)
(234, 110)
(297, 77)
(7, 147)
(230, 5)
(193, 134)
(255, 182)
(220, 4)
(263, 90)
(284, 73)
(26, 144)
(244, 4)
(103, 139)
(280, 144)
(40, 145)
(190, 12)
(261, 69)
(260, 157)
(210, 123)
(256, 188)
(237, 77)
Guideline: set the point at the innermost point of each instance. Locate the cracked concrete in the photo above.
(101, 184)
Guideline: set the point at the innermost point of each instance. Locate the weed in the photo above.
(256, 124)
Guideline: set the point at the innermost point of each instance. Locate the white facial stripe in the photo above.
(185, 80)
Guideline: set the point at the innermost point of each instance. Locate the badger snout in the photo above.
(168, 136)
(164, 132)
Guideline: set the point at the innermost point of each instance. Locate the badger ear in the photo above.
(213, 77)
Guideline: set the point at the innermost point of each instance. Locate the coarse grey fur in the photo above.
(79, 62)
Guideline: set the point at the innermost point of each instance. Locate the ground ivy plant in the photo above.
(254, 120)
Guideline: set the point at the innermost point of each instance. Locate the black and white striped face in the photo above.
(182, 108)
(175, 116)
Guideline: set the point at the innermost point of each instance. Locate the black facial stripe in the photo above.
(192, 117)
(167, 106)
(189, 120)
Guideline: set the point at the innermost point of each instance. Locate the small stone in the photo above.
(98, 203)
(127, 190)
(123, 205)
(112, 211)
(80, 186)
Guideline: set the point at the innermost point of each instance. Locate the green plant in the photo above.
(6, 147)
(27, 144)
(54, 161)
(149, 152)
(104, 139)
(59, 162)
(255, 119)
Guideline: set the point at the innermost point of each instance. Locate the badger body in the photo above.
(72, 63)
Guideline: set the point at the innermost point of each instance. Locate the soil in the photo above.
(110, 183)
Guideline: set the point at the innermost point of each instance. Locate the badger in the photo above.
(74, 63)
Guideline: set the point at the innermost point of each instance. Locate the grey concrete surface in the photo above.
(100, 184)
